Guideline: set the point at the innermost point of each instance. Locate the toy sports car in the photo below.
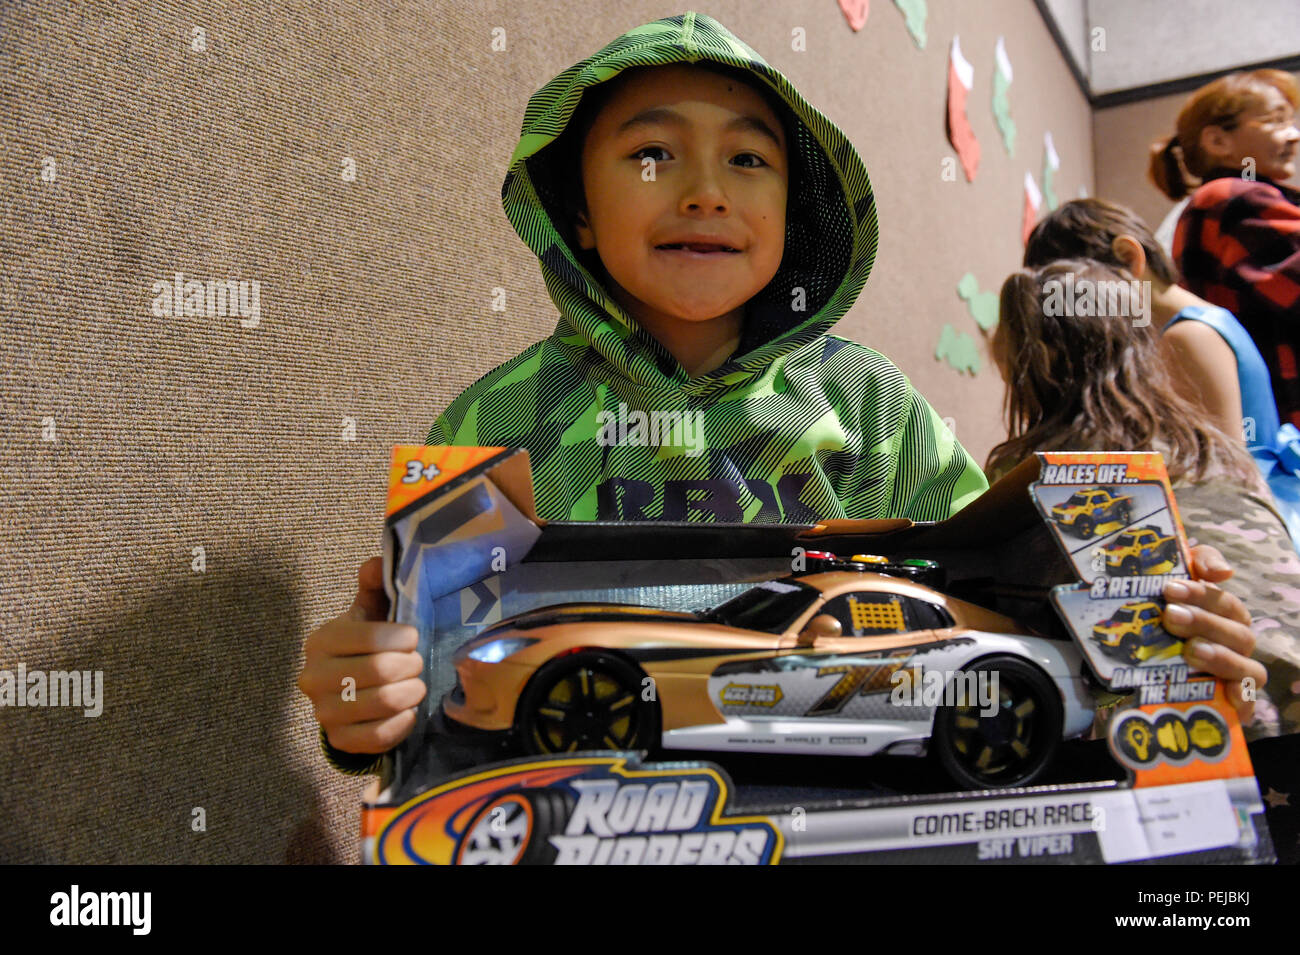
(1133, 633)
(835, 663)
(1140, 551)
(1086, 510)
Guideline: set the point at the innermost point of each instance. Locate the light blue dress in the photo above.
(1275, 447)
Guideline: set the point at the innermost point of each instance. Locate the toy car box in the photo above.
(811, 660)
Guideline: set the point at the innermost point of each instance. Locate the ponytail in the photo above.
(1167, 171)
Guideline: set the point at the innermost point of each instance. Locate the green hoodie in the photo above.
(797, 426)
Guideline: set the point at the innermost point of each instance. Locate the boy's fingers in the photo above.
(371, 574)
(1216, 626)
(374, 703)
(1209, 564)
(1209, 597)
(327, 678)
(371, 603)
(1196, 608)
(370, 578)
(377, 736)
(1222, 661)
(343, 636)
(367, 609)
(1237, 697)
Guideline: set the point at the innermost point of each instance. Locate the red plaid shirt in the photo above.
(1238, 246)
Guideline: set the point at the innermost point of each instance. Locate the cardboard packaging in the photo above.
(1066, 555)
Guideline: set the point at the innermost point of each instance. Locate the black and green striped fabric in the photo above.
(797, 426)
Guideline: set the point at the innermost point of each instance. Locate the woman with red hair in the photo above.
(1237, 244)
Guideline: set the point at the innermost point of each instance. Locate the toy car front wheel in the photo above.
(1131, 567)
(1129, 648)
(1010, 747)
(590, 700)
(1083, 527)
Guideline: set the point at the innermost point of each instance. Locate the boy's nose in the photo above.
(704, 193)
(700, 200)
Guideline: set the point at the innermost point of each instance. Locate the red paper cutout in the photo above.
(961, 77)
(855, 11)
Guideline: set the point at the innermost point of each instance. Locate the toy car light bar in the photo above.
(914, 568)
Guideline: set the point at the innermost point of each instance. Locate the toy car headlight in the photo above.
(494, 651)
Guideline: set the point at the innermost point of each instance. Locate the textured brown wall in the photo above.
(173, 433)
(933, 231)
(1123, 135)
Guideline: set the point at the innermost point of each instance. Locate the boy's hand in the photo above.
(1216, 626)
(377, 711)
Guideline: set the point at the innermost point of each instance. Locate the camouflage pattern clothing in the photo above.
(1245, 527)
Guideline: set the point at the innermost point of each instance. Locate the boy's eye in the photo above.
(755, 163)
(650, 149)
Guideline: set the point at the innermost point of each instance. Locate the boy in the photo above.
(796, 425)
(700, 228)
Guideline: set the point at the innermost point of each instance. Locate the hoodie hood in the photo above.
(831, 230)
(797, 426)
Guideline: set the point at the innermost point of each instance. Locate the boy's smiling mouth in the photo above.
(698, 247)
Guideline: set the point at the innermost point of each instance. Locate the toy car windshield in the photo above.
(1123, 615)
(770, 607)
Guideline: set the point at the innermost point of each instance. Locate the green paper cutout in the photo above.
(1049, 194)
(914, 15)
(958, 349)
(1002, 112)
(983, 306)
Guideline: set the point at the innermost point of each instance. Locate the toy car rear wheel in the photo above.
(1124, 514)
(512, 829)
(590, 700)
(1012, 747)
(1083, 527)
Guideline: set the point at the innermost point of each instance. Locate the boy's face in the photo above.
(719, 177)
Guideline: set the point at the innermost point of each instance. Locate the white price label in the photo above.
(1166, 820)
